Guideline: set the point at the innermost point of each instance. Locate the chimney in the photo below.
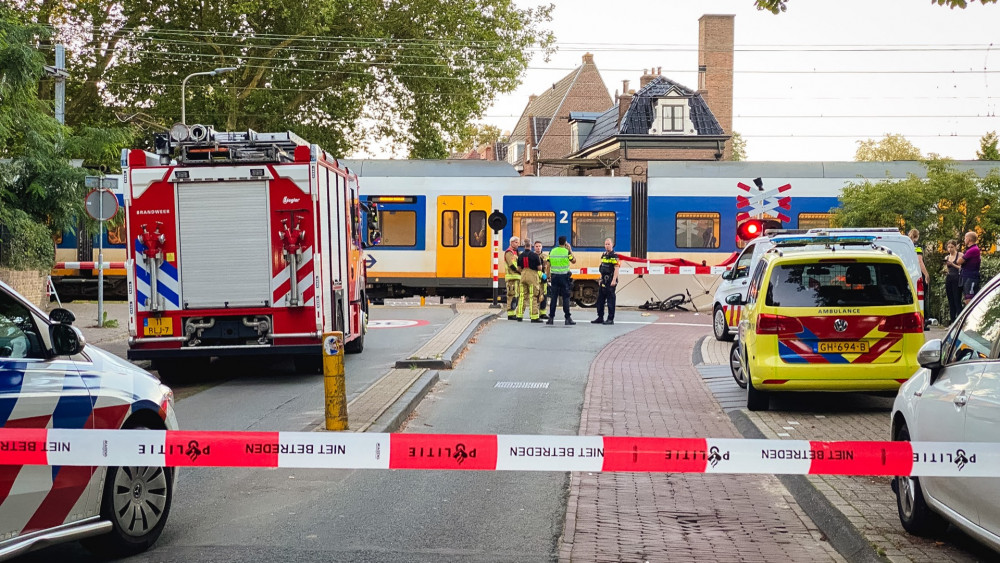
(531, 99)
(624, 101)
(624, 86)
(715, 68)
(588, 59)
(646, 78)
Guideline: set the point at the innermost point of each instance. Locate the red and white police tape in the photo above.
(493, 452)
(658, 270)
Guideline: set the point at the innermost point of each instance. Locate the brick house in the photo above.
(543, 130)
(664, 120)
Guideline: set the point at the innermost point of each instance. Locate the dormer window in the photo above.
(672, 118)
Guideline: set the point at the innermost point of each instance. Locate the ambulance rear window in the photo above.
(836, 284)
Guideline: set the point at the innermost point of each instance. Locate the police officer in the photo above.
(609, 284)
(559, 260)
(512, 277)
(530, 266)
(544, 279)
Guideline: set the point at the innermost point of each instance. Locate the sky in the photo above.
(808, 83)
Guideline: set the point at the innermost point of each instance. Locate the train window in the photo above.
(698, 230)
(535, 225)
(450, 229)
(477, 229)
(815, 220)
(399, 228)
(590, 228)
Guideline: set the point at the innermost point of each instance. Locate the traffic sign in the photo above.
(101, 182)
(101, 204)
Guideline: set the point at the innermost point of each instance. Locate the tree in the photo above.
(340, 73)
(739, 147)
(891, 147)
(778, 6)
(475, 135)
(988, 147)
(41, 191)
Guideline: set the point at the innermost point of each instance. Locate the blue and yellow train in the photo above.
(435, 239)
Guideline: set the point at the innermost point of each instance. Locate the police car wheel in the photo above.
(136, 501)
(719, 325)
(914, 514)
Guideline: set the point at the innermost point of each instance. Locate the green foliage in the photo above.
(109, 323)
(340, 73)
(778, 6)
(945, 205)
(739, 147)
(890, 147)
(475, 135)
(988, 147)
(24, 244)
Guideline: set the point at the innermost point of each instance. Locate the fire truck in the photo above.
(241, 244)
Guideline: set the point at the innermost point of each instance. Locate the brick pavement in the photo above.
(644, 384)
(867, 502)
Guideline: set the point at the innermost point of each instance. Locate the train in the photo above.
(73, 247)
(435, 239)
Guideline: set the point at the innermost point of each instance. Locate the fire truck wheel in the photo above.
(357, 345)
(308, 364)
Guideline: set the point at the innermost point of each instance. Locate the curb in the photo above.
(447, 360)
(393, 418)
(844, 536)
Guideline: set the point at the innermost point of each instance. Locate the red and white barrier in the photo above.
(89, 266)
(658, 270)
(494, 452)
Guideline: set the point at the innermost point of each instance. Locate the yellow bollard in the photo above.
(422, 300)
(333, 381)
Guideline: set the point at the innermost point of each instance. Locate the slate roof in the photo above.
(545, 104)
(639, 117)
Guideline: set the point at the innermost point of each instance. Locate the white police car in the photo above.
(49, 379)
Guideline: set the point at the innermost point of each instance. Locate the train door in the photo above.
(463, 246)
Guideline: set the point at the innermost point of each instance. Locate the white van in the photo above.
(726, 318)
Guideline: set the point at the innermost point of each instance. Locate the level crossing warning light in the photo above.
(749, 229)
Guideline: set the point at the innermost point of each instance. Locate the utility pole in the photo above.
(59, 72)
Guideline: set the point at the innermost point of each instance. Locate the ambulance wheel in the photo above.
(137, 502)
(757, 400)
(720, 326)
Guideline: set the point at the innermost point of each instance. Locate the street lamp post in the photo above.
(219, 70)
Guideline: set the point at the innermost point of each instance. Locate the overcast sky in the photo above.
(809, 83)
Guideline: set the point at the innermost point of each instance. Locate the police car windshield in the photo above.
(833, 284)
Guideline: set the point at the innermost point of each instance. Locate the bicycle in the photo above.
(678, 301)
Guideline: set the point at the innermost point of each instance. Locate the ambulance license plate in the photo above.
(843, 347)
(158, 327)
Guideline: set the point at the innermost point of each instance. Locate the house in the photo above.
(565, 132)
(543, 130)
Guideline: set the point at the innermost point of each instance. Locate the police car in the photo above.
(726, 317)
(50, 379)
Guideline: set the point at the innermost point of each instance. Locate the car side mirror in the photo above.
(67, 340)
(734, 299)
(728, 274)
(62, 316)
(929, 355)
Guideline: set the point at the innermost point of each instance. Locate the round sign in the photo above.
(101, 204)
(396, 323)
(497, 220)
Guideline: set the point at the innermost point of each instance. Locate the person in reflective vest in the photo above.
(512, 277)
(609, 284)
(559, 260)
(530, 264)
(544, 279)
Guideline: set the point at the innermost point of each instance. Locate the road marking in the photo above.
(396, 323)
(521, 385)
(666, 324)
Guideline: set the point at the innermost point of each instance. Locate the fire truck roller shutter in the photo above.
(224, 249)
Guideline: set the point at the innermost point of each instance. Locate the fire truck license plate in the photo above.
(843, 347)
(158, 327)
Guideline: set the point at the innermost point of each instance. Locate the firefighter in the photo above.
(609, 284)
(559, 260)
(530, 266)
(512, 277)
(544, 279)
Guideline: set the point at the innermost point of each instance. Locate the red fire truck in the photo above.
(241, 244)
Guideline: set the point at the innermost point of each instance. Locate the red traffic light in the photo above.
(750, 229)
